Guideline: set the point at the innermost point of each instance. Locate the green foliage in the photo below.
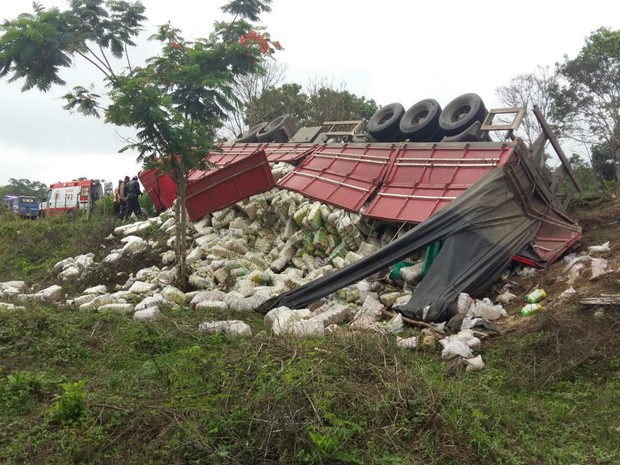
(593, 186)
(592, 87)
(30, 249)
(247, 9)
(23, 390)
(70, 407)
(321, 103)
(36, 46)
(104, 206)
(170, 393)
(147, 204)
(603, 161)
(23, 187)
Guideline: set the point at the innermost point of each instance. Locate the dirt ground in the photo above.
(600, 223)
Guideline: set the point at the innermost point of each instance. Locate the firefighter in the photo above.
(133, 192)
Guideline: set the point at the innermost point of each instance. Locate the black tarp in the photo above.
(482, 228)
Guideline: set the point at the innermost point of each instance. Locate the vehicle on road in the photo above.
(24, 206)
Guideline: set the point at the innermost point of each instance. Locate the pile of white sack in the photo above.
(240, 257)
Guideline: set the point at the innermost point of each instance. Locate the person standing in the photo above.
(123, 192)
(118, 199)
(133, 192)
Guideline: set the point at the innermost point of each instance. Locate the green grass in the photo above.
(99, 389)
(91, 388)
(29, 249)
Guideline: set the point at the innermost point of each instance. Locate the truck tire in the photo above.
(421, 121)
(384, 125)
(461, 113)
(280, 129)
(250, 134)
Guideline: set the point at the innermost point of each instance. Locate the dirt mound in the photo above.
(568, 336)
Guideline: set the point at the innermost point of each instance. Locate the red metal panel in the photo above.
(287, 152)
(233, 152)
(227, 185)
(424, 178)
(160, 188)
(551, 241)
(342, 175)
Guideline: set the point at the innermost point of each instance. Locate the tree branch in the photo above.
(94, 63)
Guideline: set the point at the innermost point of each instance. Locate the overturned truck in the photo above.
(484, 202)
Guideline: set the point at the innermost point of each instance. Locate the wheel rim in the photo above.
(461, 112)
(386, 117)
(419, 117)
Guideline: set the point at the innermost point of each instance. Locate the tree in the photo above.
(249, 87)
(319, 103)
(23, 187)
(286, 99)
(591, 91)
(589, 180)
(176, 101)
(603, 161)
(527, 90)
(329, 103)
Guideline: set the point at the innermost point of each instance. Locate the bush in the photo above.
(70, 406)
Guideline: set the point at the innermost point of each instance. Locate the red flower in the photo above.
(277, 45)
(176, 45)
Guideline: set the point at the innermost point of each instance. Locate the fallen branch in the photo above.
(604, 299)
(111, 407)
(409, 321)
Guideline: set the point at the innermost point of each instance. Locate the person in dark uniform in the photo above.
(123, 192)
(133, 192)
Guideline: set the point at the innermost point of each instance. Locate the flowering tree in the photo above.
(176, 101)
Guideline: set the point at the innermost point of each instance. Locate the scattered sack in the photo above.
(230, 328)
(474, 363)
(410, 343)
(172, 294)
(485, 309)
(599, 267)
(505, 298)
(394, 325)
(463, 303)
(599, 248)
(568, 293)
(51, 294)
(148, 314)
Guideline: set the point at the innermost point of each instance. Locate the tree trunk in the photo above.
(617, 156)
(181, 235)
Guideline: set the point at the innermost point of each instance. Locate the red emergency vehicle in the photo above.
(69, 197)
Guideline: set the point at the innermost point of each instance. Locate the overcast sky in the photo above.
(390, 51)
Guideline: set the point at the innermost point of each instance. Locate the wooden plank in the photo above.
(604, 299)
(556, 145)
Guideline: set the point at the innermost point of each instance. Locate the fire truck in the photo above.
(67, 198)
